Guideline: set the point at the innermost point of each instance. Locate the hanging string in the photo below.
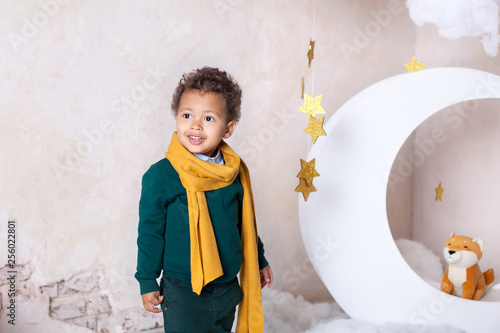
(314, 40)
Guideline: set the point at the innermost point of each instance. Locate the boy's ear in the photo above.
(229, 129)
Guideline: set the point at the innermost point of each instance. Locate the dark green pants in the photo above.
(211, 311)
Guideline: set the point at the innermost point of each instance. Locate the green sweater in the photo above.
(163, 240)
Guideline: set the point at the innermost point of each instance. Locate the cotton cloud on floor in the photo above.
(459, 18)
(285, 313)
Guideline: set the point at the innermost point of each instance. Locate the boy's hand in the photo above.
(151, 301)
(266, 277)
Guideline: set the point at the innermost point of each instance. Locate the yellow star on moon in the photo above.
(414, 65)
(315, 128)
(312, 106)
(310, 52)
(308, 171)
(305, 189)
(439, 192)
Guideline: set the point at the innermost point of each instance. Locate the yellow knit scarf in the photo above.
(198, 176)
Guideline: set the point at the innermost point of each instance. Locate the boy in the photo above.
(196, 218)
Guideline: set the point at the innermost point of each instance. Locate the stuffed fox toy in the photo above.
(463, 277)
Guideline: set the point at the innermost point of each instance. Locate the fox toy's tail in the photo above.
(489, 276)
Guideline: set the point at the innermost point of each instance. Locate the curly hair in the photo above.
(211, 80)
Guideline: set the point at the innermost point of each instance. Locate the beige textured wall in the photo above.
(467, 163)
(85, 96)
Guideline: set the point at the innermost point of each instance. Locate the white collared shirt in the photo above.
(217, 159)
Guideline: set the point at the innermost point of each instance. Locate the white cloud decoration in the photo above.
(460, 18)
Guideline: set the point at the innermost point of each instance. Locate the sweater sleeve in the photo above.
(151, 230)
(262, 259)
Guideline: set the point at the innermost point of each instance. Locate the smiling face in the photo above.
(202, 122)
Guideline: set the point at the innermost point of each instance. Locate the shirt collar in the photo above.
(216, 159)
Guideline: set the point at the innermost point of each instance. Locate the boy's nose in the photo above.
(196, 124)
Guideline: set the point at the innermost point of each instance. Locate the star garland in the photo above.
(306, 175)
(439, 192)
(315, 128)
(414, 65)
(312, 107)
(305, 189)
(310, 52)
(308, 172)
(302, 89)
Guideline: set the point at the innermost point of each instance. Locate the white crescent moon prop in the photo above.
(344, 224)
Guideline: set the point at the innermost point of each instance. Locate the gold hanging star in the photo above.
(312, 106)
(302, 91)
(308, 171)
(305, 189)
(414, 65)
(439, 192)
(310, 52)
(315, 128)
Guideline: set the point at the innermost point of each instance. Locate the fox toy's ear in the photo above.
(479, 241)
(452, 234)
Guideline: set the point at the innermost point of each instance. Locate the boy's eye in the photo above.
(208, 118)
(186, 115)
